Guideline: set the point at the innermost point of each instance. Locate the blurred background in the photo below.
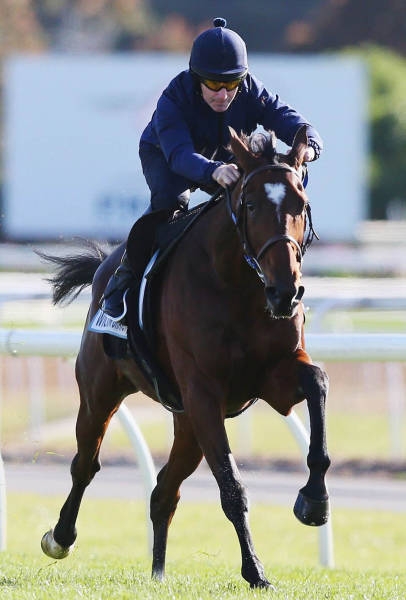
(80, 79)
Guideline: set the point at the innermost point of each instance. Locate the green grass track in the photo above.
(111, 559)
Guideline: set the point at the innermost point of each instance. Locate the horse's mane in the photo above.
(262, 144)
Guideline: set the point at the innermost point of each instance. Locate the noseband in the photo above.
(240, 221)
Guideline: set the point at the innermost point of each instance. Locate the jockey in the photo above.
(184, 146)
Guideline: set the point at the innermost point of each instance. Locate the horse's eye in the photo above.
(251, 205)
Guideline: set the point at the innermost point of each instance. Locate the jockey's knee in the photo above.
(183, 200)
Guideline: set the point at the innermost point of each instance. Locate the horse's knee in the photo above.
(314, 381)
(234, 500)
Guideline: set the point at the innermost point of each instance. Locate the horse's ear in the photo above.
(242, 153)
(236, 142)
(299, 146)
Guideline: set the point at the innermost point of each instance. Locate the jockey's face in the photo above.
(218, 101)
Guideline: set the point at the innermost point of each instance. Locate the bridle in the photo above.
(240, 221)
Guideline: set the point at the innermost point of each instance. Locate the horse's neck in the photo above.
(225, 250)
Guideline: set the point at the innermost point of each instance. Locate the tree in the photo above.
(387, 116)
(336, 24)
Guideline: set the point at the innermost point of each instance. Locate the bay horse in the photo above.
(230, 328)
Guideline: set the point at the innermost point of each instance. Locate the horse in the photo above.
(230, 328)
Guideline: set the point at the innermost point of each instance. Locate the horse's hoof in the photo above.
(51, 548)
(264, 584)
(158, 573)
(311, 512)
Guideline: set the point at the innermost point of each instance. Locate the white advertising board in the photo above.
(73, 123)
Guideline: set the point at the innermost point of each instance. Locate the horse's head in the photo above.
(269, 207)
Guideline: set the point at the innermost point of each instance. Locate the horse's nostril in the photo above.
(274, 294)
(283, 302)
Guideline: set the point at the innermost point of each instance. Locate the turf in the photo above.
(111, 558)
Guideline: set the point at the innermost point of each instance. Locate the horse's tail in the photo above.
(74, 272)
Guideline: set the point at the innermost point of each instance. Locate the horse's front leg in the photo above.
(208, 422)
(234, 502)
(312, 504)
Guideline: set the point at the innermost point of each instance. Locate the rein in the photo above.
(240, 222)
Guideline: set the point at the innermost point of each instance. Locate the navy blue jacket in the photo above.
(193, 137)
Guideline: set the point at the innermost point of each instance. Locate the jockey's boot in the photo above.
(113, 301)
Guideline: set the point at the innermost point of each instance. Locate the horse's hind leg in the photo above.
(92, 422)
(312, 504)
(58, 542)
(184, 458)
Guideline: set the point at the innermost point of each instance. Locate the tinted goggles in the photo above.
(216, 86)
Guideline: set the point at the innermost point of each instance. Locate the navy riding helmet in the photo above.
(219, 54)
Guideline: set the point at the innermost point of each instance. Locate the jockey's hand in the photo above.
(309, 154)
(226, 174)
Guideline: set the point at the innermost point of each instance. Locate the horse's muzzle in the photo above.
(282, 302)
